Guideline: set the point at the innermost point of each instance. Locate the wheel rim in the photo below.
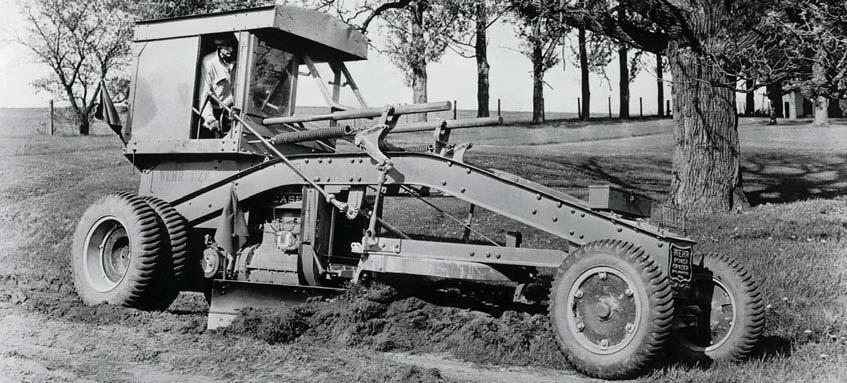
(106, 256)
(603, 311)
(711, 295)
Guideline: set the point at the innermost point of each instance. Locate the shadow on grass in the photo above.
(573, 173)
(569, 123)
(778, 177)
(771, 347)
(769, 176)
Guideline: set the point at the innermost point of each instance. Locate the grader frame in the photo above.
(314, 209)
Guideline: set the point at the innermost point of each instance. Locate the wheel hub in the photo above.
(604, 312)
(715, 316)
(107, 254)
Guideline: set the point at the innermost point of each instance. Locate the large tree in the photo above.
(696, 36)
(82, 42)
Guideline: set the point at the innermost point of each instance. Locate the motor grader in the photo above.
(277, 210)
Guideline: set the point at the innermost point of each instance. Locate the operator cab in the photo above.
(273, 43)
(271, 78)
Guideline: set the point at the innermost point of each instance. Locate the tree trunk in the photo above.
(537, 83)
(821, 110)
(583, 69)
(774, 91)
(820, 101)
(660, 85)
(750, 99)
(706, 175)
(418, 62)
(624, 83)
(84, 126)
(482, 66)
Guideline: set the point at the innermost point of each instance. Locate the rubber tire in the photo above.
(744, 290)
(653, 289)
(136, 288)
(177, 229)
(171, 274)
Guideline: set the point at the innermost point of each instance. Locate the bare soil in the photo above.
(794, 243)
(367, 335)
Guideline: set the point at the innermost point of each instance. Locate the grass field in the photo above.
(794, 237)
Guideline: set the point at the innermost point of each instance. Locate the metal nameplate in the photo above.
(680, 267)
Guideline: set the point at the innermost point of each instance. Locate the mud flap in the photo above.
(228, 297)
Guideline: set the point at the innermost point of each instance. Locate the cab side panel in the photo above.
(164, 88)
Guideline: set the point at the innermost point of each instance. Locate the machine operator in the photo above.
(216, 74)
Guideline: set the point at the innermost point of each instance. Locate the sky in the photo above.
(453, 78)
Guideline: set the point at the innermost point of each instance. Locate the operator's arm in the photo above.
(205, 100)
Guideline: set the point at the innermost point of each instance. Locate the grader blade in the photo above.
(229, 297)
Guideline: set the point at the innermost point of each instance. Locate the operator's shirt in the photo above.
(215, 79)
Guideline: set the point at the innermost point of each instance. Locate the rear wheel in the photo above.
(116, 252)
(728, 313)
(611, 308)
(172, 268)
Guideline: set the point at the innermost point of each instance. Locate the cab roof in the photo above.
(315, 32)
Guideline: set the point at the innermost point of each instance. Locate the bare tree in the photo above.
(82, 42)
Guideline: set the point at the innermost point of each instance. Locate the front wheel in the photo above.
(611, 308)
(727, 311)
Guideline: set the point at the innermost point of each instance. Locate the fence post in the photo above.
(51, 118)
(579, 108)
(454, 109)
(498, 107)
(640, 107)
(610, 106)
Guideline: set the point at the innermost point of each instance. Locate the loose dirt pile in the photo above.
(382, 319)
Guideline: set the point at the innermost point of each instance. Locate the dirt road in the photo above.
(35, 348)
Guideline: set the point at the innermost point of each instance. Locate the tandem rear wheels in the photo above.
(129, 251)
(727, 311)
(612, 311)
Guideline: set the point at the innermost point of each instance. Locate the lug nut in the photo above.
(629, 327)
(580, 326)
(602, 275)
(628, 292)
(578, 294)
(604, 343)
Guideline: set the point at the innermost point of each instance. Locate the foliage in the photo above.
(538, 26)
(464, 40)
(157, 9)
(812, 36)
(438, 21)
